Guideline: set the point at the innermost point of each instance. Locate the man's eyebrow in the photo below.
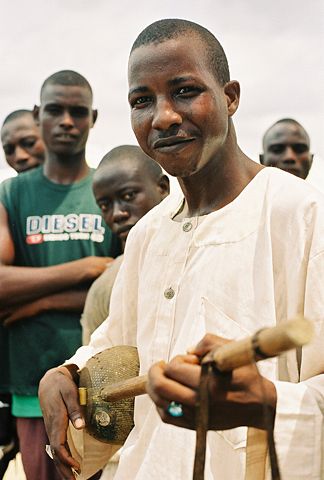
(172, 82)
(51, 104)
(134, 90)
(178, 80)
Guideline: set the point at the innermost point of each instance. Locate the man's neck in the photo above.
(218, 184)
(65, 169)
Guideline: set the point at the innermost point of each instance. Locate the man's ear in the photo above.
(261, 158)
(311, 160)
(164, 186)
(232, 91)
(36, 114)
(94, 116)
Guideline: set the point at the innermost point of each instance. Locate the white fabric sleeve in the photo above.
(121, 325)
(299, 430)
(299, 425)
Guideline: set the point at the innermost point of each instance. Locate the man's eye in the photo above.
(277, 148)
(299, 148)
(129, 196)
(104, 206)
(140, 102)
(28, 142)
(9, 149)
(188, 91)
(79, 112)
(53, 109)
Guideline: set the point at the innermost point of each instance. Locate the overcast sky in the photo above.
(275, 50)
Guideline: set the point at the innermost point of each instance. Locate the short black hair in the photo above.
(171, 28)
(16, 114)
(67, 77)
(292, 121)
(130, 152)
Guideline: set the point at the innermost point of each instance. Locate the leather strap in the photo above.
(258, 441)
(202, 420)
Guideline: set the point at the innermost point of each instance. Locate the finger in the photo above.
(75, 414)
(4, 314)
(64, 462)
(208, 342)
(10, 320)
(162, 390)
(185, 373)
(188, 358)
(61, 452)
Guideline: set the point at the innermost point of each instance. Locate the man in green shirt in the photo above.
(54, 244)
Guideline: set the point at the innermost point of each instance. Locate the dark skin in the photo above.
(65, 118)
(125, 191)
(235, 397)
(22, 144)
(181, 117)
(286, 146)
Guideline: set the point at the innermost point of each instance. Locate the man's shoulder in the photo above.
(23, 183)
(288, 190)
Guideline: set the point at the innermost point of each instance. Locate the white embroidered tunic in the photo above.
(254, 263)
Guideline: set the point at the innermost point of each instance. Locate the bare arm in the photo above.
(23, 284)
(69, 301)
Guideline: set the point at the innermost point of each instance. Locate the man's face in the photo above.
(125, 192)
(286, 146)
(65, 118)
(179, 112)
(22, 144)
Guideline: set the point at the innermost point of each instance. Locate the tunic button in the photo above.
(187, 227)
(169, 293)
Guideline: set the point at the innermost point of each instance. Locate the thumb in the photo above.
(77, 419)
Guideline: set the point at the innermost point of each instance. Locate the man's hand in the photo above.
(21, 285)
(12, 315)
(58, 395)
(66, 301)
(94, 266)
(236, 398)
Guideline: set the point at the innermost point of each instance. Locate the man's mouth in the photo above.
(172, 142)
(293, 171)
(65, 136)
(123, 231)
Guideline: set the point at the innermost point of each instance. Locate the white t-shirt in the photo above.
(254, 263)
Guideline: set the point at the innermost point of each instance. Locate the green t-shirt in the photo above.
(50, 224)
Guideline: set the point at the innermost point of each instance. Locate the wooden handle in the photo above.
(124, 389)
(269, 342)
(266, 343)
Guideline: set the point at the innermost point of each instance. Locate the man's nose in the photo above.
(67, 120)
(289, 155)
(119, 213)
(21, 154)
(165, 115)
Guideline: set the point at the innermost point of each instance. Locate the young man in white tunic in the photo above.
(241, 248)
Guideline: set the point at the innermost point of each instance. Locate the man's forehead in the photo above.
(167, 48)
(18, 125)
(286, 132)
(54, 93)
